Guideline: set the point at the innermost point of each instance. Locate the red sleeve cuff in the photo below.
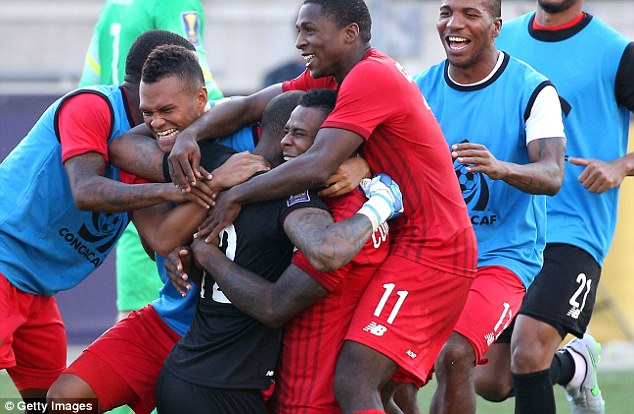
(329, 280)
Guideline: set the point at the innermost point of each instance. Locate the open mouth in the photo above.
(309, 58)
(168, 135)
(457, 42)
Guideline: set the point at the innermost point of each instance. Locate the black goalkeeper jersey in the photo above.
(225, 348)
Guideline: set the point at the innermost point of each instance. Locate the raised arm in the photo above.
(309, 170)
(270, 303)
(137, 152)
(223, 120)
(326, 244)
(93, 191)
(544, 173)
(166, 226)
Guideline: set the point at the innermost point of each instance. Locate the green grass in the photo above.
(617, 388)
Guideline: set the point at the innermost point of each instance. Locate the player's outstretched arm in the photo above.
(346, 178)
(600, 176)
(329, 245)
(223, 120)
(93, 191)
(137, 153)
(275, 303)
(543, 175)
(270, 303)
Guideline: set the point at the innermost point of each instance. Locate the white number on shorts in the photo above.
(389, 288)
(507, 310)
(586, 283)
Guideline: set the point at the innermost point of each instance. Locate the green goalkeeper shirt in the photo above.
(122, 21)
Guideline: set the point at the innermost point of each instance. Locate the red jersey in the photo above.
(84, 121)
(379, 101)
(313, 338)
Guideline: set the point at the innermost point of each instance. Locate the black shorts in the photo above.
(177, 396)
(563, 293)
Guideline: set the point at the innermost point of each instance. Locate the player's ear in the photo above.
(497, 27)
(201, 98)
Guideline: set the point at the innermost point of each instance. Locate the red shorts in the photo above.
(32, 337)
(407, 313)
(494, 299)
(122, 365)
(312, 341)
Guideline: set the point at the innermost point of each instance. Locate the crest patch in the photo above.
(191, 27)
(298, 198)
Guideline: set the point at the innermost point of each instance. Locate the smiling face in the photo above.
(168, 106)
(301, 130)
(324, 46)
(467, 30)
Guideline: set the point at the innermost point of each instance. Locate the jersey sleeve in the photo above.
(213, 155)
(129, 178)
(305, 82)
(625, 79)
(329, 280)
(305, 199)
(362, 104)
(85, 123)
(544, 120)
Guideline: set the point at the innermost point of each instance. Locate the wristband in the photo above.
(378, 209)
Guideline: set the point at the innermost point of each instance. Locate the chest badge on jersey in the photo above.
(191, 27)
(298, 198)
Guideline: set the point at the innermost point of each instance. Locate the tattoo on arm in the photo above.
(544, 174)
(326, 244)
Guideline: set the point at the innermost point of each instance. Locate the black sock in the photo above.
(563, 368)
(534, 393)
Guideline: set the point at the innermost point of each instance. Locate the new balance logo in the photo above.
(411, 354)
(375, 329)
(270, 373)
(574, 313)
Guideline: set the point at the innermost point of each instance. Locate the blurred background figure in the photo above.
(288, 70)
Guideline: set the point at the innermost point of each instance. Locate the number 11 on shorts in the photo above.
(389, 288)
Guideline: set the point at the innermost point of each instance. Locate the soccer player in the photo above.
(122, 365)
(62, 212)
(226, 357)
(315, 307)
(506, 163)
(433, 249)
(119, 24)
(597, 95)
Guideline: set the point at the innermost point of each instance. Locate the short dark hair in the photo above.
(319, 98)
(173, 60)
(143, 46)
(277, 112)
(496, 7)
(345, 12)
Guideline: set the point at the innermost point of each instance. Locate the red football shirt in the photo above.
(313, 338)
(381, 102)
